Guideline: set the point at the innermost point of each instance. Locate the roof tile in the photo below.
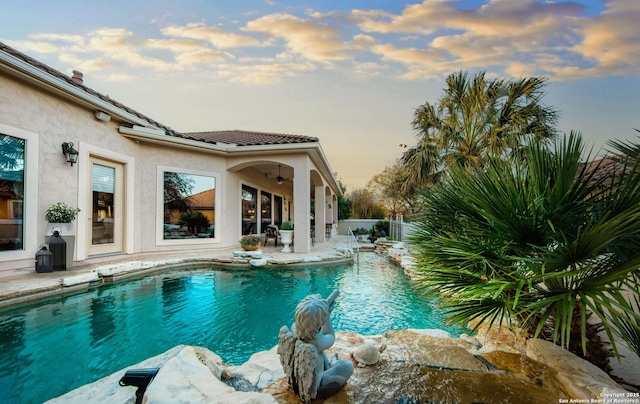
(246, 138)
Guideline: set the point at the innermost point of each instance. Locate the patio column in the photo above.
(320, 214)
(301, 207)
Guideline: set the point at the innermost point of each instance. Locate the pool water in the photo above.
(52, 347)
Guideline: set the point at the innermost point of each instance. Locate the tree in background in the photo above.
(344, 206)
(364, 205)
(389, 192)
(538, 240)
(475, 120)
(177, 187)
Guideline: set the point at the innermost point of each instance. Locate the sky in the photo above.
(351, 73)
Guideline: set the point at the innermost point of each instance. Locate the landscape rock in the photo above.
(258, 262)
(79, 279)
(416, 366)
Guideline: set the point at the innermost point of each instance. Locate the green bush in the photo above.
(538, 241)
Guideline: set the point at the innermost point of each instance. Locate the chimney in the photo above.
(77, 77)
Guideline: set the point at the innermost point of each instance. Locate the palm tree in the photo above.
(536, 240)
(11, 153)
(476, 119)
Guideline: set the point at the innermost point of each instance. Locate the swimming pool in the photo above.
(52, 347)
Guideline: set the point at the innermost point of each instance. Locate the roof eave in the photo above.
(42, 79)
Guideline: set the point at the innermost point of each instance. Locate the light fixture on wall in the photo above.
(102, 116)
(279, 178)
(70, 153)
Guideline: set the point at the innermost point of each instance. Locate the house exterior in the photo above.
(141, 186)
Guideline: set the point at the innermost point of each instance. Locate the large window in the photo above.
(188, 206)
(12, 159)
(259, 208)
(265, 211)
(249, 214)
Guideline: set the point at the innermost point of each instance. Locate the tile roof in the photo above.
(606, 167)
(238, 137)
(246, 138)
(202, 200)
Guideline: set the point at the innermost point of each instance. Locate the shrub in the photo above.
(250, 240)
(61, 213)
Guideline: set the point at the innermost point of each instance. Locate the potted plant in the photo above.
(286, 235)
(250, 242)
(59, 217)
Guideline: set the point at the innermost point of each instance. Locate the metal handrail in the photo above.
(353, 236)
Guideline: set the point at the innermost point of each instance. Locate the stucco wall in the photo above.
(55, 120)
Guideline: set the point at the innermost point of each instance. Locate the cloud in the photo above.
(424, 40)
(118, 45)
(370, 69)
(73, 39)
(611, 40)
(215, 36)
(199, 56)
(421, 63)
(34, 46)
(312, 40)
(261, 73)
(188, 52)
(542, 38)
(85, 65)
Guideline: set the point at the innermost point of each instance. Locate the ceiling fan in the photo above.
(279, 178)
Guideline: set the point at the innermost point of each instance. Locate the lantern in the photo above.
(58, 248)
(44, 260)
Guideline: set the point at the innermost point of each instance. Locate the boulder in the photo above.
(416, 366)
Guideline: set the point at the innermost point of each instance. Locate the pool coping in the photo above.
(29, 288)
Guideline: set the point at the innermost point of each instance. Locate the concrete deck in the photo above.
(23, 285)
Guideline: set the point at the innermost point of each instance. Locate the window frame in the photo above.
(30, 218)
(160, 240)
(259, 191)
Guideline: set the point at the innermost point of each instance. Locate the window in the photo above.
(12, 159)
(259, 209)
(265, 211)
(249, 214)
(189, 201)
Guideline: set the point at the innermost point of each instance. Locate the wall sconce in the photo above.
(70, 153)
(102, 116)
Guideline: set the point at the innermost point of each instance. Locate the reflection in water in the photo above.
(11, 344)
(102, 320)
(232, 313)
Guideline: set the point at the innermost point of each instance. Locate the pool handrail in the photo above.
(357, 249)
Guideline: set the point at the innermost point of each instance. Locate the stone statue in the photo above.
(311, 374)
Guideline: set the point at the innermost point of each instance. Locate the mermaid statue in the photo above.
(311, 374)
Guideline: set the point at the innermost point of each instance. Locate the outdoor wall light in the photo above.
(140, 378)
(70, 153)
(102, 116)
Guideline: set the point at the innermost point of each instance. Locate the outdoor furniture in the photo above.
(271, 232)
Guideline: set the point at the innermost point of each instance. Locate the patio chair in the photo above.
(271, 232)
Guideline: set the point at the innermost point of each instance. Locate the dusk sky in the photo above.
(351, 73)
